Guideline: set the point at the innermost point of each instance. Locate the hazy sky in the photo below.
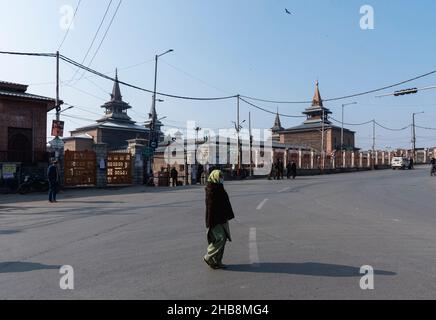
(251, 47)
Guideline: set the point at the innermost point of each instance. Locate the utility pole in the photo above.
(185, 158)
(153, 143)
(373, 145)
(58, 105)
(251, 144)
(237, 130)
(197, 129)
(322, 142)
(414, 134)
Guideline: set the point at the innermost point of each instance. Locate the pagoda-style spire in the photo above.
(116, 92)
(317, 100)
(277, 123)
(116, 108)
(317, 113)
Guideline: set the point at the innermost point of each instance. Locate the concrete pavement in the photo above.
(302, 239)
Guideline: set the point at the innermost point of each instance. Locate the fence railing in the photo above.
(347, 159)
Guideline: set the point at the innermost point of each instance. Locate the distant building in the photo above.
(23, 124)
(310, 132)
(114, 129)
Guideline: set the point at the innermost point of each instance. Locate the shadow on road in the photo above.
(6, 232)
(15, 267)
(307, 269)
(93, 202)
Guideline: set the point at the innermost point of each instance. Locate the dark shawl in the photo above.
(218, 207)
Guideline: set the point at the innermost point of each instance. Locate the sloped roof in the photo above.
(313, 126)
(113, 125)
(18, 91)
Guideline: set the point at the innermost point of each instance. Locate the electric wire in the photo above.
(68, 60)
(348, 96)
(93, 40)
(104, 37)
(272, 112)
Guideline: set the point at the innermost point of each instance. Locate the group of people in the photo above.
(277, 170)
(197, 175)
(433, 166)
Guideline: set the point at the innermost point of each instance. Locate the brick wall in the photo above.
(26, 115)
(309, 138)
(313, 139)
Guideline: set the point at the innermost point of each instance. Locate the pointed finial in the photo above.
(116, 92)
(317, 100)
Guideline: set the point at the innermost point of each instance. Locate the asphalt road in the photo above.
(302, 239)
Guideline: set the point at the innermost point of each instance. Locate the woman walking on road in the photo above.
(218, 213)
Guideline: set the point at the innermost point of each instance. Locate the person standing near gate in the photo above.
(288, 170)
(218, 214)
(293, 170)
(53, 180)
(174, 176)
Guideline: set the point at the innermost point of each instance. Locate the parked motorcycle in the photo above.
(33, 184)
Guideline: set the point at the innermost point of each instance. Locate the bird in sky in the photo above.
(287, 11)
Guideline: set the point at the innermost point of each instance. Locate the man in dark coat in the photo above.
(53, 180)
(293, 170)
(288, 170)
(218, 214)
(280, 169)
(174, 176)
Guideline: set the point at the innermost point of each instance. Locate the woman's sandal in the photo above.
(213, 266)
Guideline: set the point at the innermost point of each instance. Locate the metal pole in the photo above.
(322, 142)
(196, 144)
(152, 124)
(237, 130)
(58, 107)
(373, 145)
(185, 150)
(251, 145)
(342, 136)
(413, 137)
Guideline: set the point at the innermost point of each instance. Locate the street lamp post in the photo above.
(152, 142)
(342, 129)
(197, 129)
(238, 128)
(414, 134)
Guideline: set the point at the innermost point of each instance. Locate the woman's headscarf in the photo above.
(215, 177)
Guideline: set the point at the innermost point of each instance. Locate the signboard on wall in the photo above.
(57, 128)
(9, 171)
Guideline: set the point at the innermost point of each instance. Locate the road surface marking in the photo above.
(253, 253)
(260, 206)
(396, 220)
(284, 190)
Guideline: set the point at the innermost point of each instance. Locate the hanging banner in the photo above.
(57, 128)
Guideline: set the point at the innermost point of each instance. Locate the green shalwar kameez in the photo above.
(217, 238)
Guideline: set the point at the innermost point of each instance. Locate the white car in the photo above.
(400, 163)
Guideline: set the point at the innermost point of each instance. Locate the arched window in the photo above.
(20, 145)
